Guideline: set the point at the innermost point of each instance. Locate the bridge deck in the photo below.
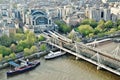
(109, 48)
(87, 59)
(61, 42)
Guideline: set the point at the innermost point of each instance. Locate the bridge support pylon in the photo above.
(98, 67)
(77, 58)
(98, 60)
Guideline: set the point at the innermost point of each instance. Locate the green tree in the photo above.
(109, 24)
(112, 30)
(66, 28)
(5, 51)
(31, 38)
(85, 22)
(13, 47)
(43, 47)
(19, 36)
(118, 22)
(58, 22)
(12, 37)
(5, 41)
(27, 52)
(41, 38)
(85, 29)
(91, 35)
(6, 58)
(12, 55)
(1, 57)
(34, 49)
(93, 23)
(73, 35)
(19, 30)
(119, 27)
(99, 28)
(101, 22)
(24, 44)
(90, 22)
(19, 48)
(63, 27)
(101, 34)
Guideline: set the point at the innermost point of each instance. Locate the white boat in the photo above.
(52, 55)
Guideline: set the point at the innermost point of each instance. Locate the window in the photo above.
(102, 14)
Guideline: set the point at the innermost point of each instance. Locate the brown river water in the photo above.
(63, 68)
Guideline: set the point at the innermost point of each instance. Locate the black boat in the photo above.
(22, 69)
(52, 55)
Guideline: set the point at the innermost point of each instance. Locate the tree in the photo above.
(34, 49)
(71, 35)
(101, 34)
(57, 22)
(101, 22)
(85, 22)
(6, 57)
(63, 27)
(31, 38)
(100, 27)
(5, 51)
(12, 55)
(19, 48)
(27, 51)
(19, 36)
(24, 44)
(91, 35)
(1, 57)
(112, 30)
(41, 38)
(66, 28)
(43, 47)
(5, 41)
(13, 47)
(93, 23)
(12, 37)
(85, 29)
(118, 22)
(90, 22)
(19, 30)
(109, 24)
(119, 27)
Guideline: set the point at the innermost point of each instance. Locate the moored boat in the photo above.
(52, 55)
(22, 69)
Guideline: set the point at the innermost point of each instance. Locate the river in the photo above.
(63, 68)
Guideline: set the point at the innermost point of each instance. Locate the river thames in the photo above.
(63, 68)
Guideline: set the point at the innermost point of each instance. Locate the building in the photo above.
(115, 12)
(98, 13)
(110, 1)
(39, 20)
(7, 28)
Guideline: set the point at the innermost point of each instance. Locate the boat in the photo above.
(21, 69)
(52, 55)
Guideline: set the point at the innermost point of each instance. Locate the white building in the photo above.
(115, 13)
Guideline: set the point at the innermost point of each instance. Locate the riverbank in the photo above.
(33, 56)
(62, 68)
